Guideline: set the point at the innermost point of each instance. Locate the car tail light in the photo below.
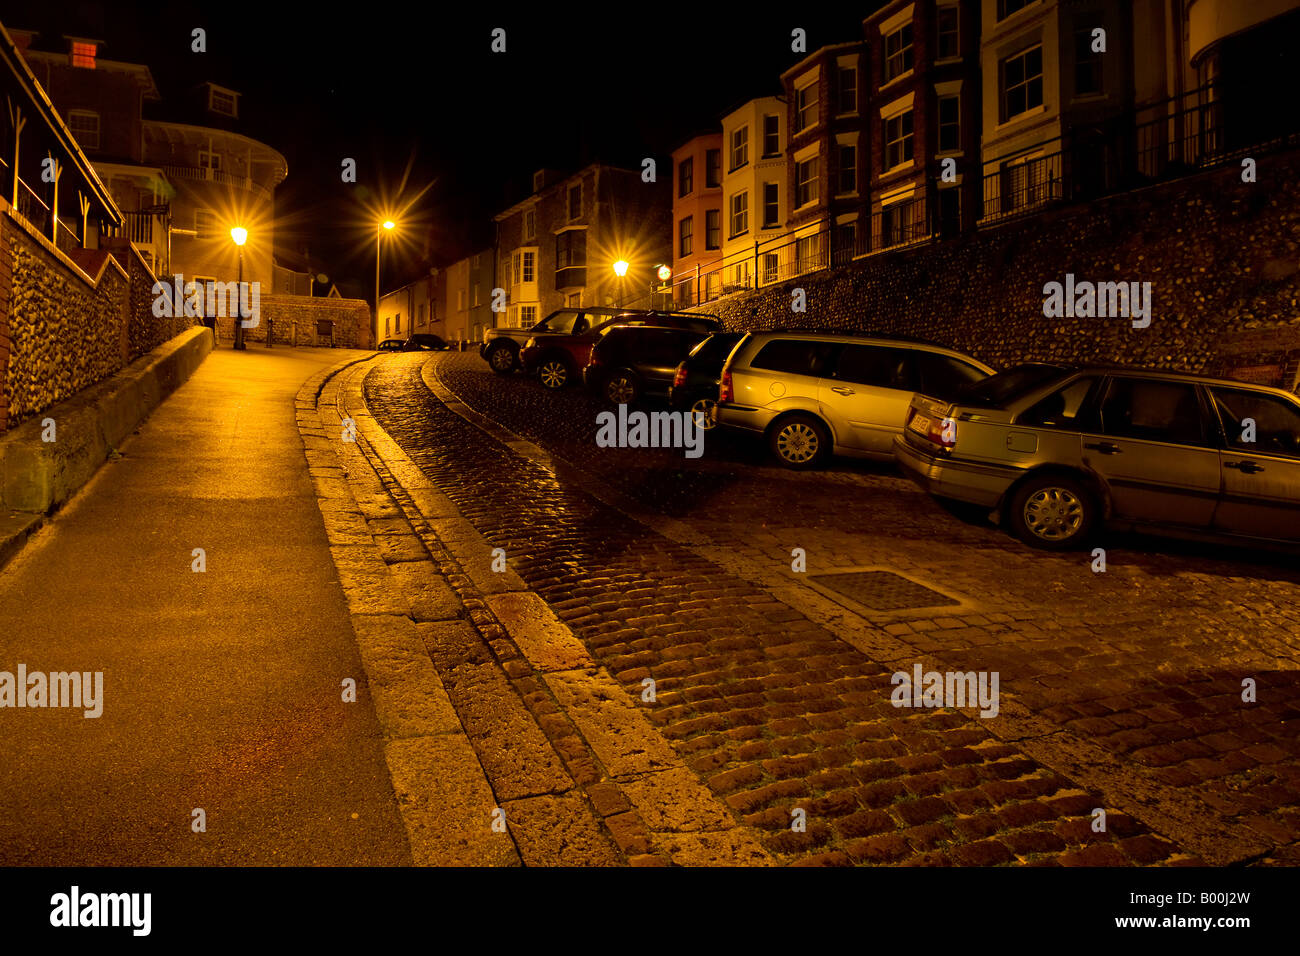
(725, 393)
(680, 378)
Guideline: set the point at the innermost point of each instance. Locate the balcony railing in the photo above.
(204, 174)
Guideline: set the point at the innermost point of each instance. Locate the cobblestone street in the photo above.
(1120, 690)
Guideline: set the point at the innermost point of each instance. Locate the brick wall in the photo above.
(1223, 258)
(295, 318)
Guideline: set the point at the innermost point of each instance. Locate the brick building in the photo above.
(697, 215)
(558, 247)
(923, 120)
(826, 143)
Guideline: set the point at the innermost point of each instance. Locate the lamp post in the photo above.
(620, 270)
(379, 234)
(240, 236)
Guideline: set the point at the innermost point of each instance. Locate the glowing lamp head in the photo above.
(389, 224)
(620, 268)
(665, 273)
(239, 234)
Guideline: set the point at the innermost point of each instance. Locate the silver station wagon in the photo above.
(811, 392)
(1056, 452)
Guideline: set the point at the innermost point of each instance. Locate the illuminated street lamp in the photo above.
(239, 235)
(620, 270)
(379, 234)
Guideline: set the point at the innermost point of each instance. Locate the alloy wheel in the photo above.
(702, 413)
(1053, 513)
(620, 390)
(797, 443)
(553, 373)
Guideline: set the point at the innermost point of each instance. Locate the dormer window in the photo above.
(223, 102)
(82, 54)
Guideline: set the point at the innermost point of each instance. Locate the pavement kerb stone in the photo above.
(616, 731)
(1164, 809)
(444, 796)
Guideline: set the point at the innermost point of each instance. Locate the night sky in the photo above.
(418, 87)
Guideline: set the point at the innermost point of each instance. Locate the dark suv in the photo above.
(628, 362)
(559, 359)
(695, 386)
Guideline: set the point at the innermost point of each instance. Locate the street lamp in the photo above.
(240, 236)
(620, 270)
(379, 233)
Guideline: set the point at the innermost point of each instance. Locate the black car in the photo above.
(392, 345)
(628, 362)
(695, 386)
(424, 342)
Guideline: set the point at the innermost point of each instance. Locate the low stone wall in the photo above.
(295, 320)
(1222, 257)
(69, 321)
(38, 475)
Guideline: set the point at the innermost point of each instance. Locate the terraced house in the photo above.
(558, 247)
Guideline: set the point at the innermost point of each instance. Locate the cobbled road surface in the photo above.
(1121, 691)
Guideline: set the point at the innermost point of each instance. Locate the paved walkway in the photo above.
(222, 690)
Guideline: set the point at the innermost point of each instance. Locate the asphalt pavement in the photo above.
(222, 689)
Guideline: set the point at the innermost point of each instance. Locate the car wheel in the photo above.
(553, 373)
(702, 413)
(502, 359)
(621, 388)
(799, 441)
(1053, 512)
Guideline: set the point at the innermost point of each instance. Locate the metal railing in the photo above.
(796, 254)
(206, 174)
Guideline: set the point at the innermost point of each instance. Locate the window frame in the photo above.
(73, 116)
(743, 196)
(1025, 83)
(738, 143)
(903, 141)
(903, 57)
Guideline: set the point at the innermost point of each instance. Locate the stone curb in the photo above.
(443, 794)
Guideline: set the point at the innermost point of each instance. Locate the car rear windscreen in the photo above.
(998, 390)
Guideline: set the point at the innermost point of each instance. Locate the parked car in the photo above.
(1057, 452)
(391, 345)
(813, 393)
(695, 383)
(631, 361)
(500, 347)
(558, 360)
(425, 341)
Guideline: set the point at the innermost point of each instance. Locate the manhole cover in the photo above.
(883, 590)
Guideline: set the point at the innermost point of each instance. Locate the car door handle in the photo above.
(841, 390)
(1105, 447)
(1249, 467)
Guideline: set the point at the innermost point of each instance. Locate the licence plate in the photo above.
(920, 424)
